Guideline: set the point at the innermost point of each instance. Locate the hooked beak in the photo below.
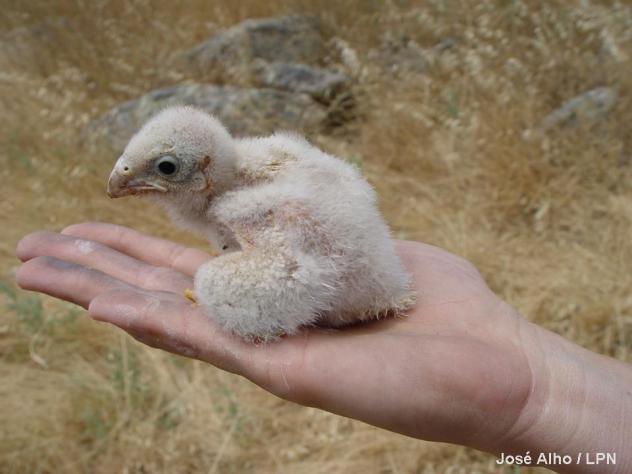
(121, 184)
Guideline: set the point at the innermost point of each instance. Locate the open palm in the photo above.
(454, 369)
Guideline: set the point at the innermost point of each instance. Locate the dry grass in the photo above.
(547, 222)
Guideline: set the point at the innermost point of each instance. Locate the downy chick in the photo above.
(301, 240)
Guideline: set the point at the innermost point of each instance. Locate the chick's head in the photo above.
(180, 152)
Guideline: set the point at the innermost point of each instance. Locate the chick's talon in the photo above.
(188, 294)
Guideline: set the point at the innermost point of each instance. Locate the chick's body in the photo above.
(301, 237)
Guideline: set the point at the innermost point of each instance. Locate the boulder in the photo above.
(587, 108)
(291, 39)
(400, 55)
(243, 111)
(319, 83)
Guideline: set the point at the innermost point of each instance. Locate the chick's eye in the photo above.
(167, 165)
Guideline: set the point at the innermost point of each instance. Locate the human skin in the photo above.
(462, 367)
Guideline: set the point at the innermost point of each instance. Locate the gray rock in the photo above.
(319, 83)
(587, 108)
(292, 39)
(243, 111)
(400, 55)
(444, 45)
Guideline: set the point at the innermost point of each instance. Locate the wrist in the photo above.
(579, 406)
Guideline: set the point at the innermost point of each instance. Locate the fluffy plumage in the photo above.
(301, 239)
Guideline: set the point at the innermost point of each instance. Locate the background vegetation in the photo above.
(548, 220)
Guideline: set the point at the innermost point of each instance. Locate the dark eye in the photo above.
(167, 165)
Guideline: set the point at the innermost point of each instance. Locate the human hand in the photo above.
(462, 367)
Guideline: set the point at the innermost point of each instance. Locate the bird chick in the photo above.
(300, 238)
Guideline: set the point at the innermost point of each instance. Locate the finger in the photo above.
(171, 325)
(174, 326)
(95, 255)
(144, 247)
(162, 321)
(64, 280)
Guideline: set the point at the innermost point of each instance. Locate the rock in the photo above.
(243, 111)
(400, 55)
(290, 39)
(587, 108)
(319, 83)
(444, 45)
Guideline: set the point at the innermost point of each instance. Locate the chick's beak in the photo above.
(116, 185)
(122, 183)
